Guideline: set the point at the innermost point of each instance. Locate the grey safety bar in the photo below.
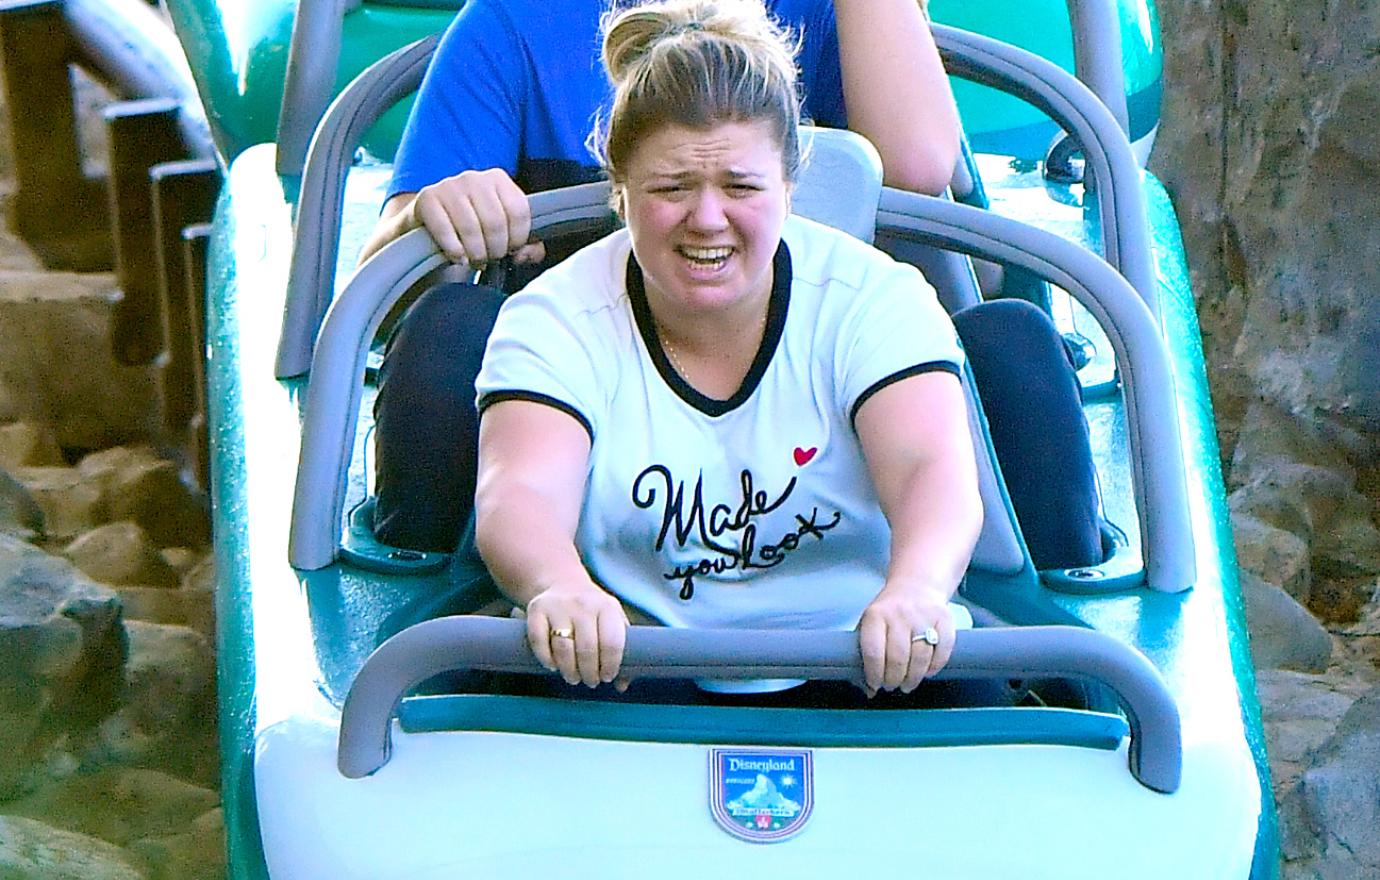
(309, 83)
(1110, 159)
(1157, 469)
(335, 387)
(321, 199)
(314, 56)
(316, 235)
(500, 644)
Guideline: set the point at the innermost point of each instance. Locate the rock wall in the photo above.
(109, 765)
(1269, 147)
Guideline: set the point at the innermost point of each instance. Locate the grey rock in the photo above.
(1339, 800)
(1284, 635)
(62, 652)
(120, 553)
(172, 607)
(34, 851)
(20, 515)
(1273, 555)
(196, 853)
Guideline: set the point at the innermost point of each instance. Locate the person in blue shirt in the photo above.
(505, 110)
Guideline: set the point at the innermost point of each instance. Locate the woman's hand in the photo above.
(579, 631)
(895, 634)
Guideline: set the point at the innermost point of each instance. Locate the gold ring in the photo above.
(564, 632)
(930, 637)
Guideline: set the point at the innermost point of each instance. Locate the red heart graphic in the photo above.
(803, 456)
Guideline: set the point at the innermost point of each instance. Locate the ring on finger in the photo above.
(929, 636)
(562, 632)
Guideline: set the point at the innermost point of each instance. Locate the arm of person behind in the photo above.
(532, 462)
(896, 91)
(919, 452)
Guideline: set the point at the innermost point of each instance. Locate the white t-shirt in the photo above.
(754, 512)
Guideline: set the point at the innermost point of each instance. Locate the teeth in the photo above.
(707, 255)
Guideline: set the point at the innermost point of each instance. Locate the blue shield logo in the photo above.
(761, 795)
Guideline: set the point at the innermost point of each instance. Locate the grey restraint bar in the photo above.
(321, 201)
(314, 57)
(316, 235)
(309, 83)
(335, 387)
(1110, 160)
(449, 643)
(1158, 478)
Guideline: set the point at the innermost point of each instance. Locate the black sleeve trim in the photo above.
(493, 397)
(918, 369)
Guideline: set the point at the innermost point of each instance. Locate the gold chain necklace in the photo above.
(675, 358)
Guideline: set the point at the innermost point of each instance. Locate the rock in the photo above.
(62, 649)
(1300, 714)
(180, 559)
(1273, 555)
(120, 553)
(1339, 799)
(143, 488)
(26, 444)
(172, 607)
(1349, 545)
(1283, 634)
(1340, 600)
(20, 515)
(70, 504)
(31, 850)
(119, 804)
(168, 720)
(202, 577)
(197, 853)
(58, 366)
(154, 495)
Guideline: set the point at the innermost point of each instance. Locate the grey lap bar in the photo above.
(449, 643)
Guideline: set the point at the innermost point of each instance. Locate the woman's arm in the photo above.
(896, 91)
(915, 438)
(532, 462)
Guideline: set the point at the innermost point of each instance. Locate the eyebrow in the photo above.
(733, 174)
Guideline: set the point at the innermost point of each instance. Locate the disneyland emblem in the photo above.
(761, 795)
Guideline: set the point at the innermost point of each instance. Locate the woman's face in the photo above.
(705, 210)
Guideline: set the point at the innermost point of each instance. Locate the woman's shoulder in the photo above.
(826, 256)
(590, 281)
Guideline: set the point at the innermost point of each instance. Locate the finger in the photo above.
(539, 638)
(563, 651)
(944, 650)
(919, 665)
(465, 222)
(872, 645)
(898, 651)
(437, 221)
(613, 634)
(492, 216)
(530, 254)
(518, 213)
(587, 652)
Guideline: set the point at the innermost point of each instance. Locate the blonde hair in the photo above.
(696, 63)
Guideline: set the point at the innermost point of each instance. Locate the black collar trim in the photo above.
(771, 336)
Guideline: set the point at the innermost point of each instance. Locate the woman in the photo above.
(723, 415)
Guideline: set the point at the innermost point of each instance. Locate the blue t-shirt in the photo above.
(515, 84)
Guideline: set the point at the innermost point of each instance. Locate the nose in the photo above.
(707, 210)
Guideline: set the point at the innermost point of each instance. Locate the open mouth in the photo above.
(708, 258)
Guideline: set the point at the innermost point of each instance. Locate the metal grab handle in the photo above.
(500, 644)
